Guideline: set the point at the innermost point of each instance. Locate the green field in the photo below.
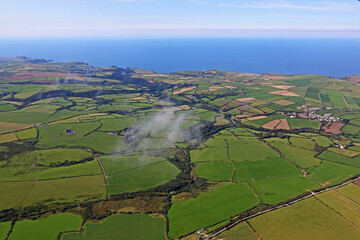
(46, 228)
(334, 157)
(141, 178)
(308, 219)
(303, 158)
(215, 171)
(268, 168)
(303, 123)
(209, 154)
(22, 194)
(4, 229)
(117, 124)
(342, 204)
(352, 191)
(275, 190)
(239, 231)
(28, 133)
(249, 150)
(30, 173)
(114, 145)
(209, 208)
(329, 173)
(120, 163)
(134, 226)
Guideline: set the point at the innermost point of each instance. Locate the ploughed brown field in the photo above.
(184, 90)
(333, 127)
(357, 182)
(277, 124)
(284, 102)
(354, 78)
(24, 76)
(285, 93)
(277, 77)
(245, 99)
(256, 118)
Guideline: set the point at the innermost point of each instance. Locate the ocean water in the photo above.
(331, 57)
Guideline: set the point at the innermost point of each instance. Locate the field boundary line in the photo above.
(10, 230)
(321, 101)
(146, 165)
(281, 206)
(253, 230)
(40, 180)
(346, 102)
(104, 175)
(337, 212)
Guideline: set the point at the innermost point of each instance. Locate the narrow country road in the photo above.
(280, 206)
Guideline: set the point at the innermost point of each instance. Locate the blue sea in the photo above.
(331, 57)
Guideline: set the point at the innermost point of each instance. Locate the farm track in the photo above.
(346, 102)
(103, 173)
(232, 161)
(322, 104)
(281, 206)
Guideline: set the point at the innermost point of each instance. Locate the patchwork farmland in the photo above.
(111, 153)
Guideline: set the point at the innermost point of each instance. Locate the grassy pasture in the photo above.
(22, 194)
(49, 157)
(341, 204)
(308, 219)
(350, 129)
(4, 229)
(47, 228)
(59, 155)
(24, 95)
(303, 158)
(303, 123)
(120, 163)
(352, 191)
(8, 137)
(240, 231)
(5, 107)
(329, 173)
(40, 108)
(117, 124)
(26, 134)
(28, 173)
(302, 142)
(154, 143)
(338, 102)
(141, 178)
(209, 154)
(345, 152)
(215, 171)
(97, 141)
(249, 150)
(81, 129)
(275, 190)
(334, 157)
(215, 142)
(209, 208)
(11, 127)
(124, 226)
(268, 168)
(208, 116)
(322, 141)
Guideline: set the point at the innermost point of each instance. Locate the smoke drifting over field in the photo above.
(165, 123)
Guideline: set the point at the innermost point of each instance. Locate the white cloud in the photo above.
(285, 4)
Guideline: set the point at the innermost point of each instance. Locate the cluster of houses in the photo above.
(312, 114)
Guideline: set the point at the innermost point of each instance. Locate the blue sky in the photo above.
(180, 18)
